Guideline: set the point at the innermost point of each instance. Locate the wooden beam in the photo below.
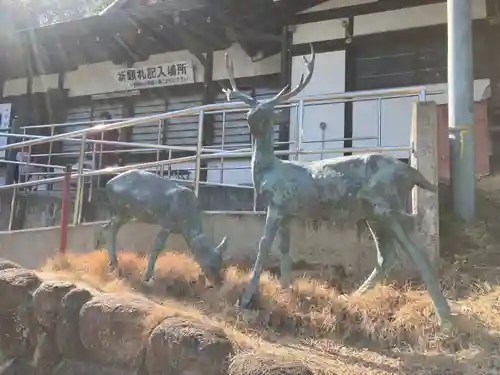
(358, 10)
(179, 30)
(119, 53)
(254, 35)
(86, 48)
(350, 85)
(258, 28)
(193, 43)
(159, 36)
(285, 79)
(28, 56)
(28, 42)
(169, 6)
(493, 33)
(208, 97)
(200, 33)
(43, 61)
(114, 6)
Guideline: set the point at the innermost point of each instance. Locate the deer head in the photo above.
(260, 117)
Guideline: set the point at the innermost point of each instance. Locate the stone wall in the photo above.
(321, 245)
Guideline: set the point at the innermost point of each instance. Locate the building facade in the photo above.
(135, 62)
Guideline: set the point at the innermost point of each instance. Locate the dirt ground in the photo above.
(391, 330)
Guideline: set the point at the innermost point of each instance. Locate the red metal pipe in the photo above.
(65, 211)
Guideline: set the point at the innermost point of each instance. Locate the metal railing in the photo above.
(200, 152)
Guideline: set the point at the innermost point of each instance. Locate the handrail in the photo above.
(114, 143)
(366, 94)
(419, 91)
(148, 146)
(74, 123)
(226, 154)
(55, 166)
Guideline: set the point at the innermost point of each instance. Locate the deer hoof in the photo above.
(243, 303)
(285, 284)
(112, 267)
(246, 302)
(446, 326)
(115, 271)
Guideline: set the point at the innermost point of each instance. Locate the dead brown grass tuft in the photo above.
(390, 330)
(386, 316)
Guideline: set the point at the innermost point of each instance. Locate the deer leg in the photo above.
(114, 226)
(386, 257)
(286, 259)
(272, 224)
(99, 237)
(421, 260)
(161, 239)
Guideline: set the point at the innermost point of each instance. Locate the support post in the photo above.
(425, 158)
(461, 108)
(13, 204)
(12, 175)
(285, 77)
(209, 93)
(63, 234)
(77, 215)
(199, 146)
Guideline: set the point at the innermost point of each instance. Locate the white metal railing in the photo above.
(200, 152)
(418, 91)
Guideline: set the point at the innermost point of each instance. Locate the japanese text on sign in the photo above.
(167, 74)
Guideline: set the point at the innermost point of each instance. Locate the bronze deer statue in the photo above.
(148, 198)
(371, 188)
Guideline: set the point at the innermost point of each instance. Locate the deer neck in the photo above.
(263, 157)
(199, 243)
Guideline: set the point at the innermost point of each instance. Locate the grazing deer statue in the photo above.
(148, 198)
(369, 188)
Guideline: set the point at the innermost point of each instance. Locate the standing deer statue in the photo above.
(369, 188)
(148, 198)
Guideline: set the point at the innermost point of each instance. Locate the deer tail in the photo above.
(419, 180)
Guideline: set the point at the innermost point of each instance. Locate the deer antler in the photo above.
(233, 91)
(281, 97)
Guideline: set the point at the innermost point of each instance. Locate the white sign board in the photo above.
(166, 74)
(5, 111)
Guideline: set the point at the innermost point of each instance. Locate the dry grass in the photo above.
(385, 316)
(390, 330)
